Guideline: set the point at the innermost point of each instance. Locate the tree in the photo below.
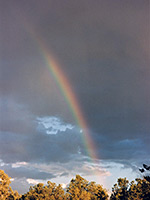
(145, 169)
(80, 188)
(136, 190)
(6, 192)
(48, 192)
(120, 190)
(140, 189)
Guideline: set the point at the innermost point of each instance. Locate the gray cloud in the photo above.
(27, 172)
(33, 173)
(24, 138)
(102, 47)
(15, 117)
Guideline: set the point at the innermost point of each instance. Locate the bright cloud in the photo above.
(19, 164)
(52, 125)
(33, 181)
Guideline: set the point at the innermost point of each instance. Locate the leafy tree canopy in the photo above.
(136, 190)
(6, 192)
(78, 189)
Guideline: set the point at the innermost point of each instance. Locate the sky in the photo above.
(102, 50)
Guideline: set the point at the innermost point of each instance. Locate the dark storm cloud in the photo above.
(22, 137)
(15, 117)
(102, 47)
(125, 150)
(39, 147)
(34, 144)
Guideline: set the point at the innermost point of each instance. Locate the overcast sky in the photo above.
(103, 48)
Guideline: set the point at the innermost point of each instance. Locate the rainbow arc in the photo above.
(65, 87)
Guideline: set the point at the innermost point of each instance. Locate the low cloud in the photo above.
(49, 139)
(19, 164)
(33, 173)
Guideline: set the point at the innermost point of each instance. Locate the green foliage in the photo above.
(50, 191)
(79, 188)
(140, 189)
(123, 190)
(120, 190)
(6, 193)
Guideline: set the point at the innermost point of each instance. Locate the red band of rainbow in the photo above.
(68, 93)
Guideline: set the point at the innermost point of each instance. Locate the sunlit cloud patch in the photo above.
(52, 125)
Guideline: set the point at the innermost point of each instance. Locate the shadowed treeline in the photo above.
(79, 189)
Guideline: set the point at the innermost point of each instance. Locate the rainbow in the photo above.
(69, 95)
